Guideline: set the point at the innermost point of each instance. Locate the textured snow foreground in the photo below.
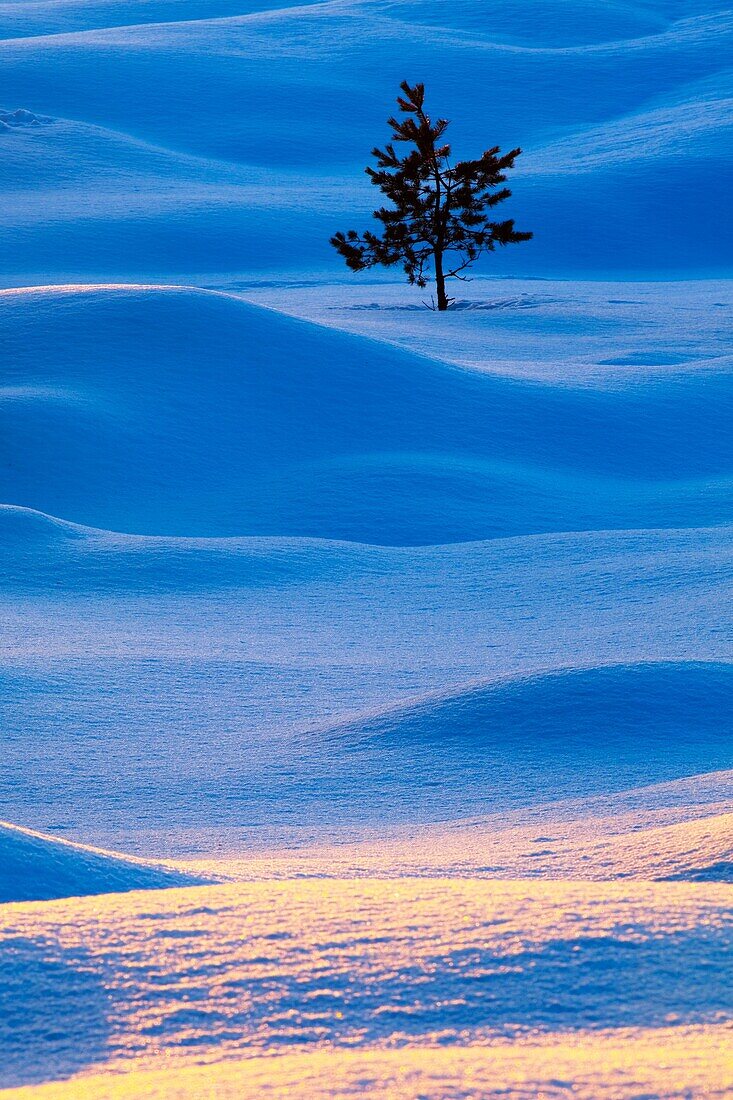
(367, 675)
(408, 988)
(441, 819)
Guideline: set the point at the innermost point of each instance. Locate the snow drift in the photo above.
(203, 976)
(35, 867)
(181, 412)
(568, 733)
(191, 692)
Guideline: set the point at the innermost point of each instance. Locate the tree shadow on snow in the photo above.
(458, 305)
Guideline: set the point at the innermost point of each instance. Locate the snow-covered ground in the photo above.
(202, 975)
(194, 137)
(265, 657)
(366, 673)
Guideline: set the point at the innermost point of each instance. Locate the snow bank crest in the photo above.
(36, 867)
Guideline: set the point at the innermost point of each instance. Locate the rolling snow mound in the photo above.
(174, 690)
(35, 867)
(172, 411)
(615, 727)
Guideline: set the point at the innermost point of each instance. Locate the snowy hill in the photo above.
(278, 488)
(194, 413)
(323, 686)
(193, 163)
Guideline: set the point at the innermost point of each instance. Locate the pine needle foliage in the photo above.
(440, 213)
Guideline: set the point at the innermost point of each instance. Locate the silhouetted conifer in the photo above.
(440, 214)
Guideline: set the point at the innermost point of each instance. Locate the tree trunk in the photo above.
(440, 281)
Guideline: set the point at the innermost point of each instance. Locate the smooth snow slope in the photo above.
(34, 867)
(624, 110)
(41, 17)
(284, 678)
(677, 831)
(174, 694)
(180, 412)
(610, 335)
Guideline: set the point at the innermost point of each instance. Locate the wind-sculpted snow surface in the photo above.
(232, 137)
(369, 685)
(339, 968)
(366, 673)
(241, 631)
(201, 421)
(276, 427)
(34, 867)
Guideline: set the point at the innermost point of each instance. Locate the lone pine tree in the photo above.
(440, 213)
